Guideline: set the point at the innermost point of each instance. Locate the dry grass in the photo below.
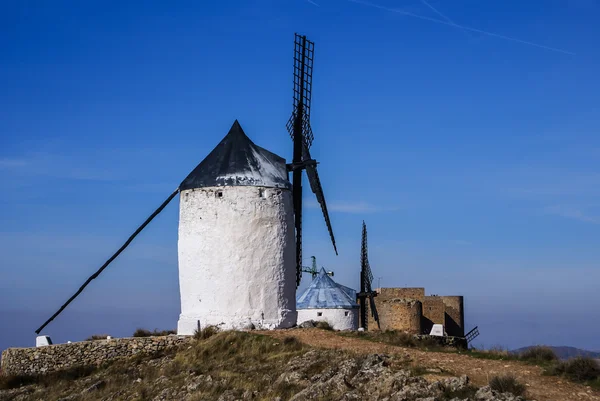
(222, 362)
(15, 381)
(205, 333)
(397, 338)
(155, 333)
(507, 384)
(580, 370)
(538, 354)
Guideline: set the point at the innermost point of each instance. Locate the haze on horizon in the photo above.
(464, 133)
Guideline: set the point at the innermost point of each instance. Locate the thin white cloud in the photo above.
(12, 163)
(313, 3)
(438, 21)
(571, 212)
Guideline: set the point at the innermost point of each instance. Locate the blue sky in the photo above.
(464, 132)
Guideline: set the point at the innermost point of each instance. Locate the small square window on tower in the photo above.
(319, 313)
(346, 313)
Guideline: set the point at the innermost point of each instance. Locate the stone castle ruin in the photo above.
(410, 310)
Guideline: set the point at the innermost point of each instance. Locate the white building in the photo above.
(324, 299)
(236, 240)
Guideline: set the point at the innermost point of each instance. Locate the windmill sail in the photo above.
(301, 132)
(315, 186)
(366, 280)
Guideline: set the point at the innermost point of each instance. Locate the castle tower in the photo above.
(236, 243)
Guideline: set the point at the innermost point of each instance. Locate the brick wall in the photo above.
(50, 358)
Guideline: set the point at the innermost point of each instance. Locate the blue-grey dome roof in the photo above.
(324, 293)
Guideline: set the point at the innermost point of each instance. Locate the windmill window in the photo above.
(346, 313)
(219, 194)
(261, 193)
(319, 313)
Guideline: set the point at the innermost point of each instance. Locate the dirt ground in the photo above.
(539, 387)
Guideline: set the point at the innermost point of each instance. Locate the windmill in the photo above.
(314, 270)
(301, 132)
(239, 264)
(366, 280)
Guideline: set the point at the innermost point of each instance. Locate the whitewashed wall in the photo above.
(236, 258)
(339, 319)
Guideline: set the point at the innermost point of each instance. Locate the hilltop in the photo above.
(297, 364)
(565, 352)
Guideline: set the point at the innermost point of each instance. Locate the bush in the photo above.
(15, 381)
(399, 338)
(324, 325)
(206, 332)
(97, 337)
(155, 333)
(538, 354)
(507, 384)
(292, 343)
(580, 369)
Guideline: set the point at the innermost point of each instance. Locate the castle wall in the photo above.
(434, 312)
(397, 314)
(398, 309)
(236, 258)
(51, 358)
(455, 317)
(417, 293)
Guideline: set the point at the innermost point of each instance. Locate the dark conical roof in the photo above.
(236, 160)
(324, 293)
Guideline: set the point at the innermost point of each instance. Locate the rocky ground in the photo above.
(540, 387)
(276, 366)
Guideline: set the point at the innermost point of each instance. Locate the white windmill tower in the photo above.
(237, 261)
(236, 240)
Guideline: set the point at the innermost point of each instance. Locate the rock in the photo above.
(487, 394)
(309, 324)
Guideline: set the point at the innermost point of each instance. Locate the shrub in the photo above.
(398, 338)
(14, 381)
(507, 384)
(324, 325)
(206, 332)
(8, 382)
(97, 337)
(155, 333)
(580, 369)
(538, 354)
(292, 343)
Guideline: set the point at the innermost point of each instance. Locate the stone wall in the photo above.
(397, 314)
(398, 309)
(51, 358)
(417, 293)
(434, 312)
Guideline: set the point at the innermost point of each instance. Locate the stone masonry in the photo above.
(51, 358)
(410, 310)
